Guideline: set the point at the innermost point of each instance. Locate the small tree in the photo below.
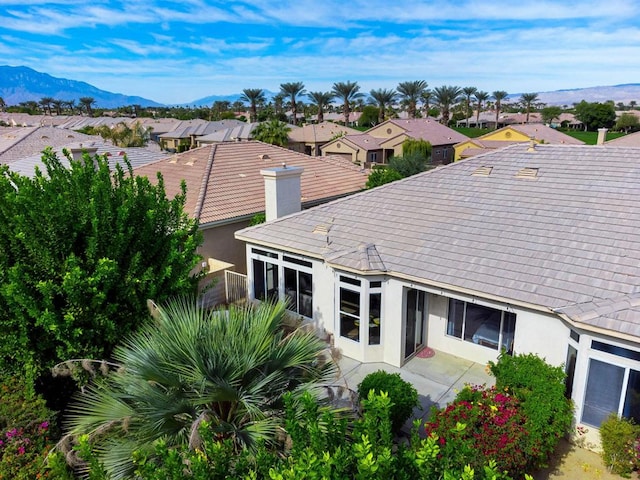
(627, 122)
(550, 113)
(83, 248)
(595, 115)
(274, 132)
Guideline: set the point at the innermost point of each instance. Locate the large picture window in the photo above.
(481, 325)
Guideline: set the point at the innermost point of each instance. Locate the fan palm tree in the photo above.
(57, 104)
(228, 368)
(348, 92)
(468, 92)
(527, 100)
(383, 98)
(445, 96)
(274, 132)
(45, 103)
(499, 96)
(410, 92)
(292, 90)
(320, 100)
(3, 105)
(480, 97)
(253, 96)
(87, 103)
(426, 98)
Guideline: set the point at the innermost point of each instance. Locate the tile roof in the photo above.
(200, 127)
(16, 144)
(630, 140)
(431, 130)
(319, 132)
(224, 181)
(137, 156)
(547, 134)
(363, 141)
(239, 132)
(564, 233)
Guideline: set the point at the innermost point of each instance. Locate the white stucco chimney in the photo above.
(76, 152)
(282, 190)
(602, 136)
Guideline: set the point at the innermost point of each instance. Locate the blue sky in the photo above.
(178, 52)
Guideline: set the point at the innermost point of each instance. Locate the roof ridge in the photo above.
(205, 182)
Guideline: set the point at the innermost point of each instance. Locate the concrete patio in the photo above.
(437, 379)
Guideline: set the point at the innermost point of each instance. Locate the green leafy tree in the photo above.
(292, 90)
(446, 96)
(410, 93)
(230, 368)
(348, 92)
(627, 122)
(595, 115)
(369, 117)
(383, 98)
(382, 174)
(528, 100)
(274, 132)
(83, 248)
(254, 97)
(499, 96)
(550, 113)
(321, 100)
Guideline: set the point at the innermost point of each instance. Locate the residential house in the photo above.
(310, 137)
(383, 141)
(629, 140)
(239, 133)
(185, 135)
(502, 137)
(225, 190)
(525, 249)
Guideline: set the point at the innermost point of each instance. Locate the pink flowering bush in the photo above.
(481, 425)
(24, 432)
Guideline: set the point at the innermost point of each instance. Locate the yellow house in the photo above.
(511, 134)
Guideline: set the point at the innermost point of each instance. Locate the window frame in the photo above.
(367, 332)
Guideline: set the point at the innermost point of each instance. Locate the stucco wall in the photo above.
(219, 243)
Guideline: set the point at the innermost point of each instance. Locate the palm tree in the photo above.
(70, 105)
(253, 96)
(3, 105)
(292, 90)
(446, 96)
(57, 104)
(527, 99)
(499, 96)
(349, 92)
(383, 98)
(320, 100)
(426, 97)
(87, 103)
(274, 132)
(468, 92)
(229, 368)
(480, 97)
(45, 103)
(411, 93)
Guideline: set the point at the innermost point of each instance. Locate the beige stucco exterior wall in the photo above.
(219, 243)
(385, 130)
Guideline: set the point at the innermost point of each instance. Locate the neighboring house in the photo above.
(18, 143)
(239, 133)
(225, 189)
(488, 120)
(526, 249)
(525, 132)
(184, 137)
(309, 138)
(385, 140)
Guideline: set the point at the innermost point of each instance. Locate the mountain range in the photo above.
(21, 84)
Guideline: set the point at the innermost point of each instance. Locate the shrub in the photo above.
(619, 437)
(403, 395)
(481, 425)
(540, 388)
(25, 430)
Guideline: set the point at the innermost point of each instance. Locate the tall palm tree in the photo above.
(70, 105)
(3, 105)
(426, 98)
(445, 96)
(253, 96)
(480, 97)
(292, 90)
(320, 100)
(348, 92)
(57, 104)
(274, 132)
(527, 100)
(87, 103)
(230, 368)
(383, 98)
(45, 103)
(410, 92)
(499, 96)
(468, 92)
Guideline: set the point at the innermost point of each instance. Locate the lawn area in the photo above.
(471, 132)
(590, 138)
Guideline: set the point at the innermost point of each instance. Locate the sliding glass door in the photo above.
(415, 321)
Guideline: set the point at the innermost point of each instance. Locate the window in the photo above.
(481, 325)
(287, 278)
(373, 156)
(360, 310)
